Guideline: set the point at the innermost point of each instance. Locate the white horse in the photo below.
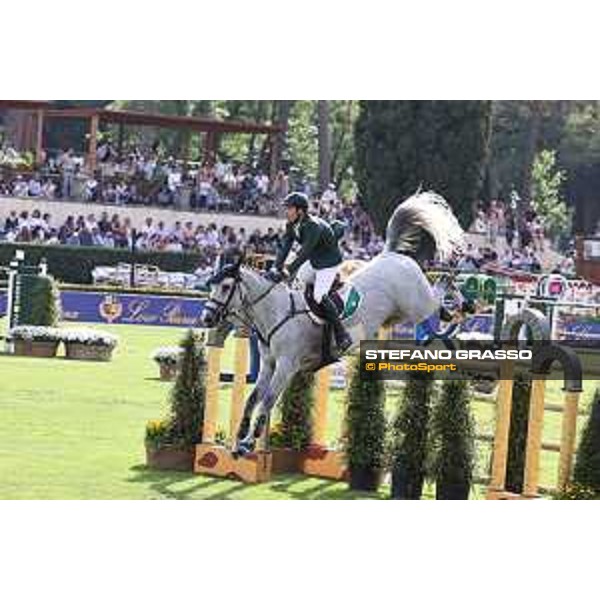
(391, 287)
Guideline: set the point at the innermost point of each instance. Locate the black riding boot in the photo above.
(342, 337)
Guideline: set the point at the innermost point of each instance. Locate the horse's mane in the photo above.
(253, 269)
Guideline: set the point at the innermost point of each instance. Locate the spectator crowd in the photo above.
(511, 241)
(148, 178)
(115, 231)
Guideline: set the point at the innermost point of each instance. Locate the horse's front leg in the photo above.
(282, 377)
(243, 438)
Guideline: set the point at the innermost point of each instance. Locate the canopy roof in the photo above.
(25, 104)
(129, 117)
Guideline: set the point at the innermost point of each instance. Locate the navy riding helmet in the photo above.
(297, 199)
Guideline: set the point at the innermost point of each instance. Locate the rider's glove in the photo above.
(275, 274)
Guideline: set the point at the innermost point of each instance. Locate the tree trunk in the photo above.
(324, 145)
(282, 111)
(533, 135)
(339, 167)
(258, 116)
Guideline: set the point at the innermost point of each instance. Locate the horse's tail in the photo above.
(423, 226)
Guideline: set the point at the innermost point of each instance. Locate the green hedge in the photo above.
(39, 301)
(138, 290)
(74, 264)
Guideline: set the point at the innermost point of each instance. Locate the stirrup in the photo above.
(344, 344)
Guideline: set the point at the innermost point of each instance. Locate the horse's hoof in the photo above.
(243, 449)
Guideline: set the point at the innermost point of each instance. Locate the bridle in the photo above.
(223, 308)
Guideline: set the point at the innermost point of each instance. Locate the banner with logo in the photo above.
(127, 309)
(131, 309)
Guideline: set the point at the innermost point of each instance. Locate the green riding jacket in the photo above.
(318, 240)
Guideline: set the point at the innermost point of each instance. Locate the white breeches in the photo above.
(321, 278)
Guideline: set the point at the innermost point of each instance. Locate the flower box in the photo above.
(168, 372)
(34, 348)
(170, 458)
(78, 351)
(30, 340)
(88, 344)
(286, 460)
(168, 359)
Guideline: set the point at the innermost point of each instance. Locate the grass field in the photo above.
(74, 430)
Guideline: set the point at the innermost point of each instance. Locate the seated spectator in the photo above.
(12, 222)
(90, 191)
(34, 188)
(49, 189)
(20, 187)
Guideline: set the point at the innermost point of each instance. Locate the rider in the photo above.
(319, 257)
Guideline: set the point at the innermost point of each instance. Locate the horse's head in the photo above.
(225, 295)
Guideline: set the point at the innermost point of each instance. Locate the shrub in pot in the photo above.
(88, 344)
(172, 445)
(292, 434)
(365, 428)
(167, 359)
(517, 439)
(409, 437)
(31, 340)
(586, 473)
(452, 440)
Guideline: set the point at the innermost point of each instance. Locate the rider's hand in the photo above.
(275, 274)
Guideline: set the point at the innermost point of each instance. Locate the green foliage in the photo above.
(365, 422)
(519, 129)
(295, 407)
(343, 115)
(517, 440)
(577, 492)
(221, 437)
(408, 444)
(303, 139)
(547, 180)
(587, 463)
(39, 301)
(72, 264)
(183, 427)
(188, 394)
(452, 436)
(580, 143)
(157, 433)
(438, 145)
